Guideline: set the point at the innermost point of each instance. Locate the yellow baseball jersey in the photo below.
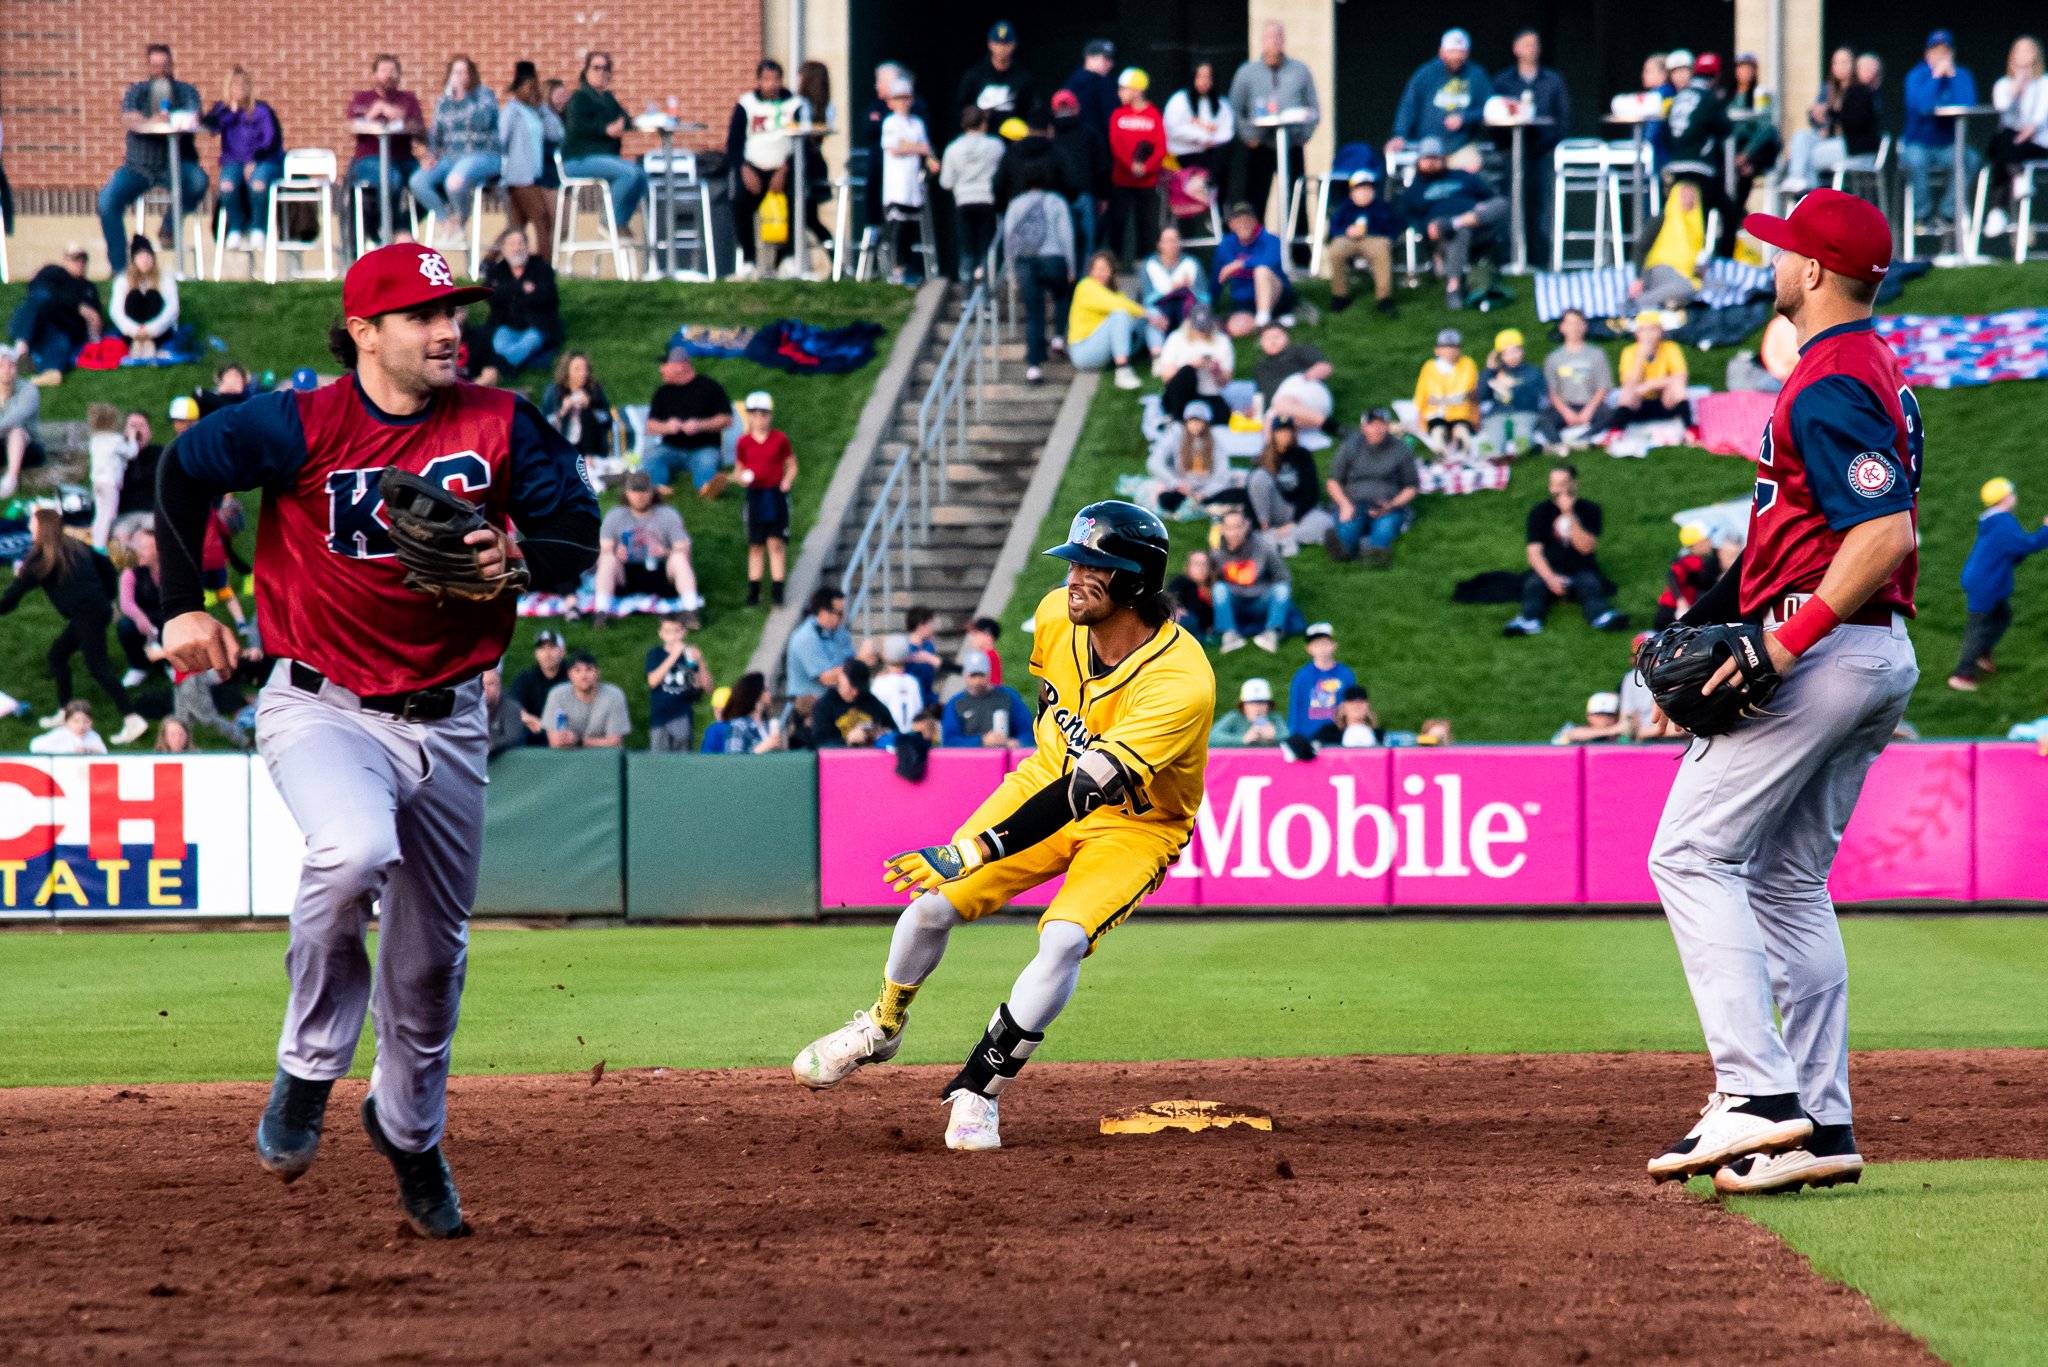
(1152, 712)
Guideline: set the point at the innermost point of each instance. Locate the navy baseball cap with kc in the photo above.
(403, 275)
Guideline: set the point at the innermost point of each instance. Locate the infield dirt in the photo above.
(1416, 1210)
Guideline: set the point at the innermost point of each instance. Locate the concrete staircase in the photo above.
(986, 478)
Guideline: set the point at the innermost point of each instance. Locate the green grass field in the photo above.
(623, 327)
(1495, 689)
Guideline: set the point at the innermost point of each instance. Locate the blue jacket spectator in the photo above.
(1263, 250)
(1378, 215)
(1445, 98)
(1094, 86)
(1447, 194)
(1318, 686)
(1988, 579)
(1926, 91)
(819, 647)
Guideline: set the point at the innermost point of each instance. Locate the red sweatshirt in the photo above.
(1137, 135)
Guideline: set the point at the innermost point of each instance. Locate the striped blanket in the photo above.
(1442, 477)
(1949, 351)
(1604, 293)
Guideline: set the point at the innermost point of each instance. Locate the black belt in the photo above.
(1869, 615)
(422, 704)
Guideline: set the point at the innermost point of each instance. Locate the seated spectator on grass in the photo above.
(849, 714)
(251, 160)
(1286, 493)
(1690, 575)
(1354, 726)
(1373, 483)
(1444, 99)
(59, 314)
(1172, 284)
(526, 316)
(643, 547)
(21, 407)
(985, 713)
(1293, 378)
(1457, 212)
(767, 471)
(1253, 587)
(1038, 242)
(921, 630)
(689, 412)
(593, 124)
(1193, 589)
(530, 689)
(819, 646)
(73, 735)
(1184, 461)
(1103, 325)
(506, 728)
(1603, 723)
(1447, 396)
(1653, 377)
(586, 713)
(1251, 723)
(384, 103)
(1668, 262)
(1563, 534)
(676, 677)
(1512, 384)
(146, 164)
(173, 737)
(576, 404)
(895, 686)
(1196, 363)
(144, 301)
(1362, 230)
(743, 726)
(1765, 370)
(1252, 288)
(967, 171)
(1435, 731)
(2001, 544)
(1312, 696)
(1577, 380)
(463, 142)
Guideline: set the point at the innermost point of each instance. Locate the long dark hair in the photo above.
(342, 346)
(1155, 609)
(52, 554)
(744, 698)
(1205, 106)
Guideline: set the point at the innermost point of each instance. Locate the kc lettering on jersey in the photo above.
(1843, 446)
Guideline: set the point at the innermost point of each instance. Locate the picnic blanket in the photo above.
(1604, 293)
(1732, 424)
(1948, 351)
(1441, 477)
(705, 339)
(801, 349)
(584, 601)
(1231, 444)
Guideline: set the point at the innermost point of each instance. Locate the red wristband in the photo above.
(1803, 628)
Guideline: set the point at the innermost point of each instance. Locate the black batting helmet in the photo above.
(1122, 538)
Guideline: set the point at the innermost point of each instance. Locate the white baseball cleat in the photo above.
(1726, 1131)
(1760, 1174)
(834, 1057)
(972, 1126)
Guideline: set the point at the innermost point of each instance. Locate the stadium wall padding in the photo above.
(721, 837)
(555, 832)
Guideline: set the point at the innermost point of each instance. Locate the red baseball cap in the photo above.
(1707, 64)
(1845, 234)
(403, 275)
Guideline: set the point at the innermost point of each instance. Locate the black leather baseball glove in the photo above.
(1677, 662)
(428, 525)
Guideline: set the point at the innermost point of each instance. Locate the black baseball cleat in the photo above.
(426, 1189)
(288, 1135)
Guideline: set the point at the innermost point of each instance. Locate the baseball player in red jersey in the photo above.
(372, 722)
(1750, 830)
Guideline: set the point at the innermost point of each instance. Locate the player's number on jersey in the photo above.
(1916, 435)
(1766, 488)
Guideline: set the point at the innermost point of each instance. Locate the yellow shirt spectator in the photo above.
(1094, 302)
(1448, 394)
(1665, 362)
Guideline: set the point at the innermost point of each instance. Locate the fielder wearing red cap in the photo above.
(1755, 816)
(371, 719)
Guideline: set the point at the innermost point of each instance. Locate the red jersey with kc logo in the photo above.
(329, 590)
(1843, 447)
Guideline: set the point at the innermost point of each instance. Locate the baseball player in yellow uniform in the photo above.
(1108, 799)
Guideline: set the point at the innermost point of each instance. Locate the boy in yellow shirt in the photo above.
(1447, 396)
(1653, 377)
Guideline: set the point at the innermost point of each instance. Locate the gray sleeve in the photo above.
(1340, 466)
(22, 408)
(1550, 369)
(557, 701)
(1601, 364)
(609, 716)
(1241, 103)
(1273, 567)
(614, 523)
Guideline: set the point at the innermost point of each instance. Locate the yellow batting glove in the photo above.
(925, 869)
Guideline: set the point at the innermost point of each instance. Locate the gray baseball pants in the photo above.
(393, 814)
(1741, 861)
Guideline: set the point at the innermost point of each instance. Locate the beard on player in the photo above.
(1090, 603)
(409, 352)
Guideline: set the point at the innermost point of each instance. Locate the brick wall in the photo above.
(65, 63)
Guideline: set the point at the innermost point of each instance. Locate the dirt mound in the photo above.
(1421, 1210)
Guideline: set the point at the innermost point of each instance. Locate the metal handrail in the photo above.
(882, 552)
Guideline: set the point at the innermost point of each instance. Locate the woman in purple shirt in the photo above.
(251, 159)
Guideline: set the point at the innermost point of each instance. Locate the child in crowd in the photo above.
(906, 154)
(1653, 377)
(216, 554)
(1514, 393)
(968, 171)
(111, 449)
(767, 470)
(71, 736)
(894, 686)
(1362, 228)
(981, 636)
(1447, 396)
(1318, 685)
(676, 678)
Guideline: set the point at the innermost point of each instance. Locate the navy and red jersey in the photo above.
(329, 591)
(1843, 447)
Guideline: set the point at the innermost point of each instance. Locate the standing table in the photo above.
(1965, 253)
(1277, 122)
(174, 130)
(665, 126)
(1517, 129)
(383, 133)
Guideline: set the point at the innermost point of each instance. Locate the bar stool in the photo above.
(1938, 179)
(158, 200)
(473, 243)
(1580, 167)
(1314, 189)
(1401, 167)
(309, 179)
(405, 214)
(568, 246)
(843, 190)
(665, 230)
(2023, 217)
(1871, 166)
